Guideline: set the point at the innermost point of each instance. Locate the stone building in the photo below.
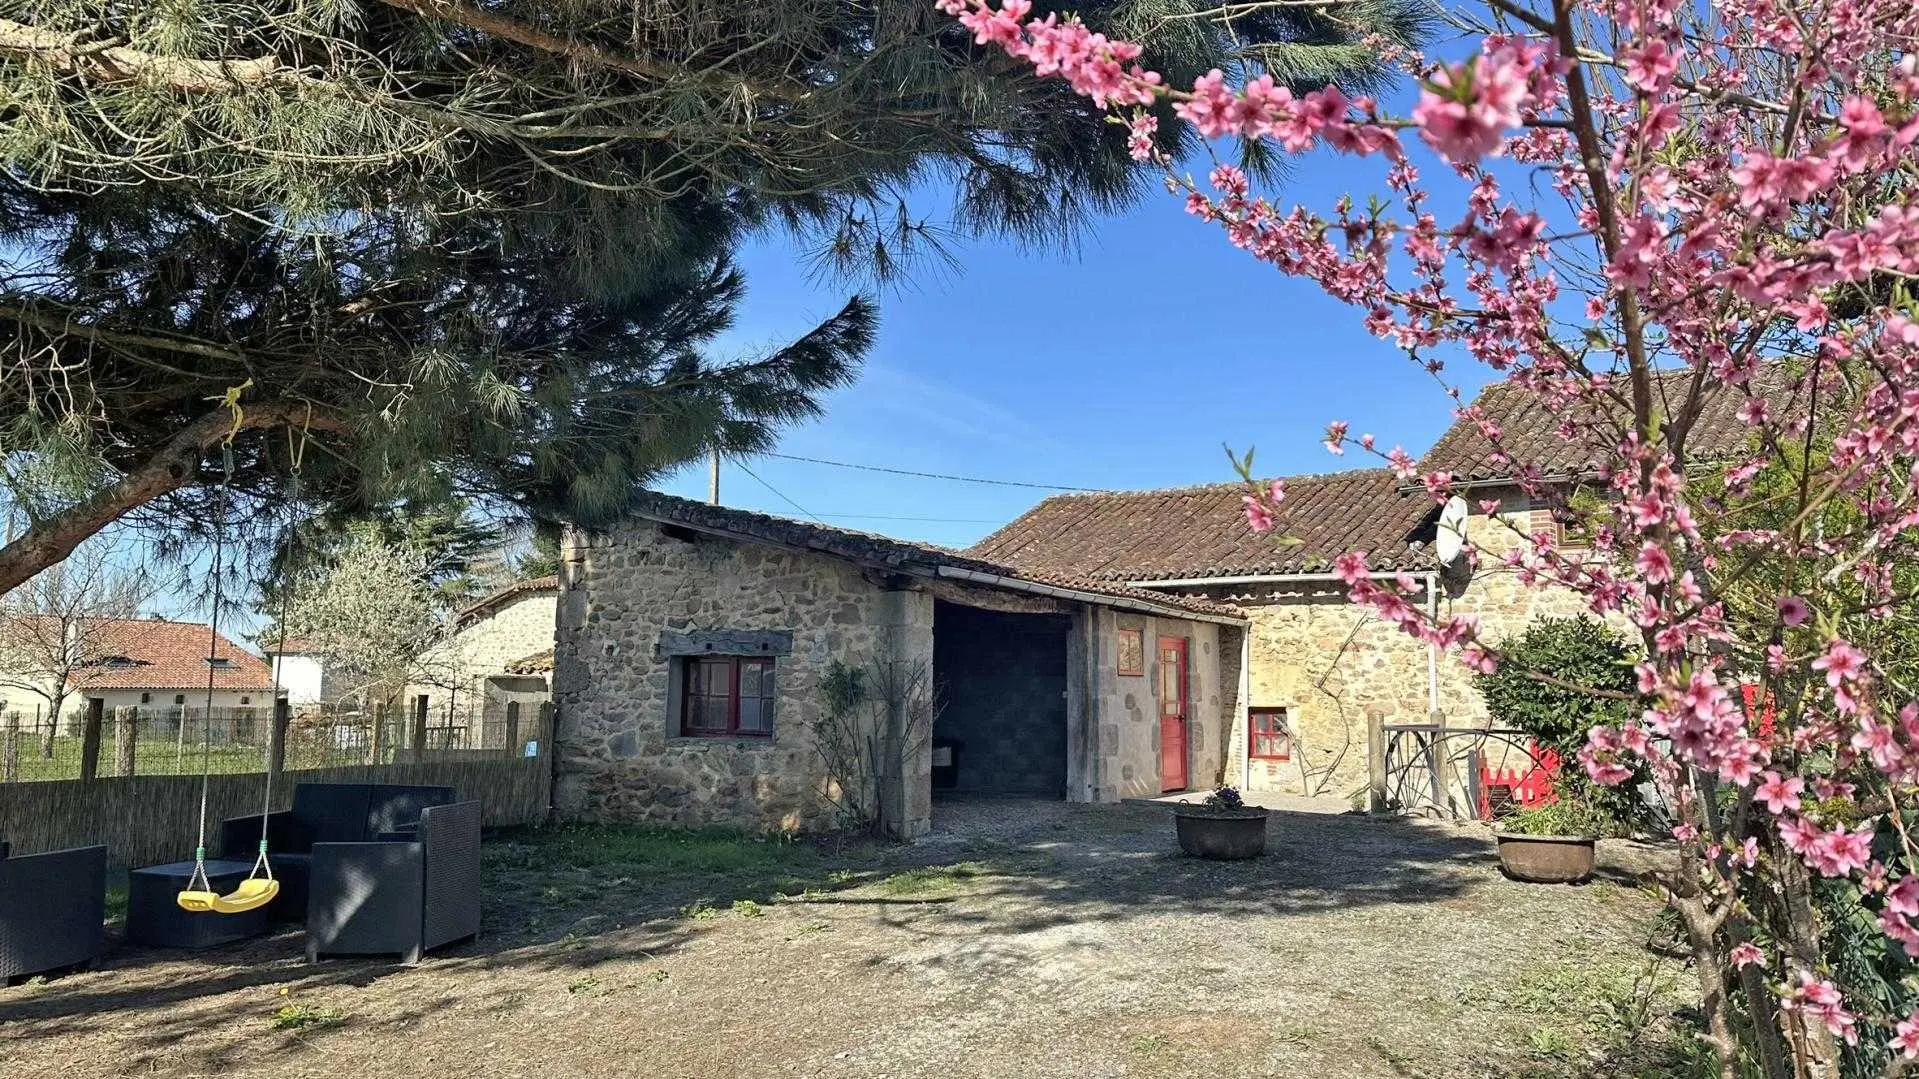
(486, 681)
(711, 665)
(1323, 672)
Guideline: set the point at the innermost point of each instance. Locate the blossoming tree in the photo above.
(1669, 210)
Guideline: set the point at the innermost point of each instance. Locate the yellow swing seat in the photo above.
(250, 895)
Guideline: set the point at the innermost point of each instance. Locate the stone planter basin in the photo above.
(1546, 859)
(1221, 834)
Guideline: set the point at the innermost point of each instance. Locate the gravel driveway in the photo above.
(1023, 939)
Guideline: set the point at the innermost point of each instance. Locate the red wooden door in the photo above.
(1172, 714)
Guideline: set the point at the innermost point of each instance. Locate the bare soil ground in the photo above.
(1023, 939)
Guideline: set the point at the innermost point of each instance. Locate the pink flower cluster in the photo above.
(1466, 109)
(1096, 67)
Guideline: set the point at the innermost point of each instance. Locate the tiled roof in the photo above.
(148, 653)
(482, 607)
(1532, 432)
(1190, 532)
(537, 663)
(290, 646)
(879, 551)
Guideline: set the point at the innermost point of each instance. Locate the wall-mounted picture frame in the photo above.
(1132, 652)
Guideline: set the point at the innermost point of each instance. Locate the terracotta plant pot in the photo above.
(1546, 859)
(1223, 834)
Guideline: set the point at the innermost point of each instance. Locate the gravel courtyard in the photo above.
(1023, 939)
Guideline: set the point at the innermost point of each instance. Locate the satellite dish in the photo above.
(1450, 543)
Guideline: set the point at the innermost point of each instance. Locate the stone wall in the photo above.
(1330, 664)
(1125, 708)
(619, 753)
(453, 673)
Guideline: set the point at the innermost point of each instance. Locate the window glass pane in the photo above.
(749, 678)
(713, 713)
(752, 717)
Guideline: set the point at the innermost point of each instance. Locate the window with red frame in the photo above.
(727, 697)
(1271, 739)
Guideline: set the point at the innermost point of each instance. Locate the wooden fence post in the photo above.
(10, 749)
(419, 727)
(1375, 761)
(513, 728)
(277, 737)
(376, 738)
(126, 735)
(90, 738)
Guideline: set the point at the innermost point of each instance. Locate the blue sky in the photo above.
(1125, 364)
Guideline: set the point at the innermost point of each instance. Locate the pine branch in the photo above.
(118, 65)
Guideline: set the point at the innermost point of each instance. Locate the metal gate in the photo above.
(1436, 771)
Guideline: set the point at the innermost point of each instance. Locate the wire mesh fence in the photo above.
(183, 740)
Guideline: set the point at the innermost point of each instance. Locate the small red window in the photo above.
(1270, 738)
(727, 696)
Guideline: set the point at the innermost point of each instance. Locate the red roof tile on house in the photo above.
(150, 653)
(1532, 432)
(1196, 532)
(480, 608)
(870, 549)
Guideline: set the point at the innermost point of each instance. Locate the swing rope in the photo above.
(259, 888)
(262, 867)
(199, 882)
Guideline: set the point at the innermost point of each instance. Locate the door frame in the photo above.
(1185, 713)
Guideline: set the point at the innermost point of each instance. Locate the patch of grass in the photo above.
(117, 904)
(613, 849)
(306, 1017)
(1400, 1060)
(930, 879)
(660, 977)
(584, 986)
(1297, 1035)
(1150, 1044)
(809, 929)
(746, 908)
(700, 911)
(1552, 1042)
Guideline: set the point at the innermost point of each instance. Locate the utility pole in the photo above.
(713, 481)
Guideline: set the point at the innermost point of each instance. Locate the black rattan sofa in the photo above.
(324, 813)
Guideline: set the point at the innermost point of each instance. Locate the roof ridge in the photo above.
(1339, 473)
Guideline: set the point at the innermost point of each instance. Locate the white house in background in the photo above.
(152, 664)
(299, 667)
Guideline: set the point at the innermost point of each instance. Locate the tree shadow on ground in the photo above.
(561, 902)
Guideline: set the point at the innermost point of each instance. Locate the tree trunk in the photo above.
(167, 469)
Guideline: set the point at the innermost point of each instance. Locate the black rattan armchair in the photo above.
(52, 909)
(403, 895)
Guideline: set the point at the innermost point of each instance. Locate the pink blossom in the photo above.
(1745, 954)
(1905, 1041)
(1651, 66)
(1351, 567)
(1257, 515)
(1821, 1000)
(1842, 662)
(1335, 436)
(1653, 563)
(1780, 793)
(1793, 610)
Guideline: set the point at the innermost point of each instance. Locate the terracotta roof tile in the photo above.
(149, 653)
(1532, 432)
(871, 549)
(481, 607)
(1188, 532)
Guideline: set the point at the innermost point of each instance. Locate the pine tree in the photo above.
(432, 246)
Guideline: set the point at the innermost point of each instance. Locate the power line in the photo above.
(889, 517)
(803, 511)
(931, 475)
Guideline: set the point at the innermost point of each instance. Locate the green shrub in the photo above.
(1579, 651)
(1571, 815)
